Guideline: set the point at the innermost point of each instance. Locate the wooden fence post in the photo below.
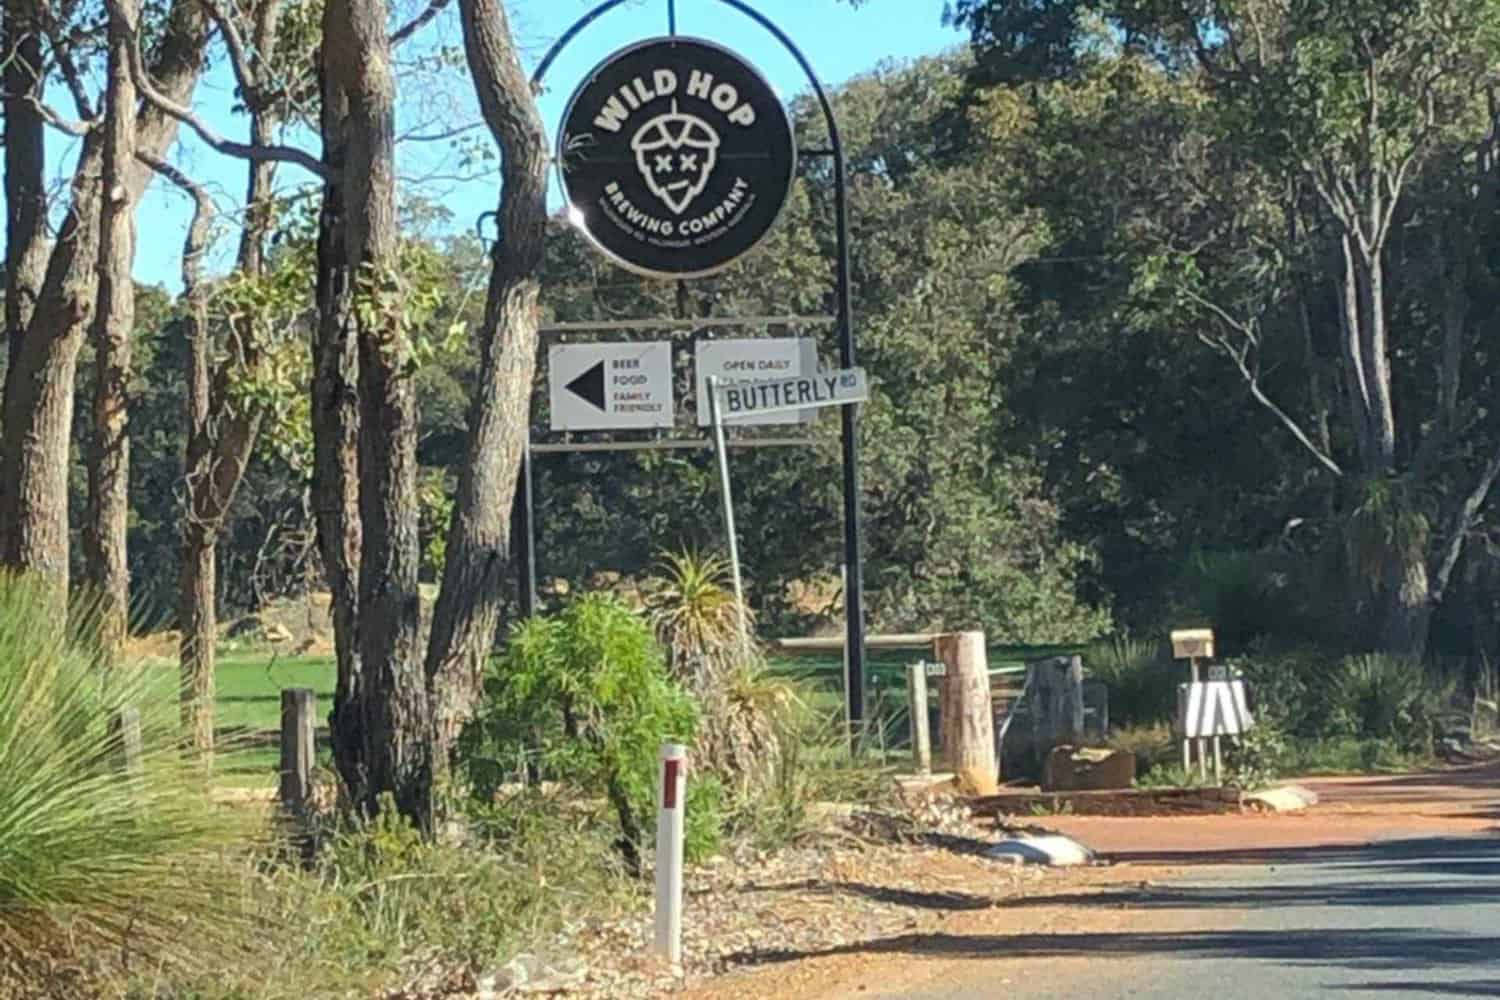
(127, 725)
(298, 751)
(916, 697)
(968, 719)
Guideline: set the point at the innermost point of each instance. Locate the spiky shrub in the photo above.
(95, 859)
(1141, 679)
(743, 708)
(697, 617)
(1391, 698)
(589, 689)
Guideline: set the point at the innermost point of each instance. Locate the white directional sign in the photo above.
(610, 387)
(755, 361)
(744, 403)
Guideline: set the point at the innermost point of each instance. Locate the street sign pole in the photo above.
(716, 411)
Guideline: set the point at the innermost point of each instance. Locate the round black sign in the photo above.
(676, 157)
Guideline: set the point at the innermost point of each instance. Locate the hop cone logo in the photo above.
(676, 153)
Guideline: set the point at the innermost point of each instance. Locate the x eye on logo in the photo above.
(676, 154)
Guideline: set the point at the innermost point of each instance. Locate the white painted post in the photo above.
(716, 413)
(921, 739)
(672, 802)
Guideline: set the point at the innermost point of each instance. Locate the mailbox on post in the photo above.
(1193, 644)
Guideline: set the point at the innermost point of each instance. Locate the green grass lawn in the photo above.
(249, 687)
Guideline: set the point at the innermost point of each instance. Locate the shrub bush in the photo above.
(94, 858)
(587, 691)
(1141, 678)
(1150, 745)
(1252, 596)
(1298, 691)
(1392, 698)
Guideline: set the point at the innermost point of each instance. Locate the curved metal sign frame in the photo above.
(853, 546)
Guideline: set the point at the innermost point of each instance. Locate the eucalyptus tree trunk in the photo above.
(109, 464)
(38, 407)
(222, 429)
(198, 577)
(335, 420)
(392, 706)
(479, 550)
(26, 240)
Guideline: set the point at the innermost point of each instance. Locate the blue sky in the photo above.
(840, 42)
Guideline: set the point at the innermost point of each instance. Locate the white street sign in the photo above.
(610, 387)
(755, 360)
(742, 403)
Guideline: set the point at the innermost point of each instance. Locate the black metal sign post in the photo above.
(700, 135)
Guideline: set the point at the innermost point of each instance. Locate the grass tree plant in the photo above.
(744, 709)
(122, 867)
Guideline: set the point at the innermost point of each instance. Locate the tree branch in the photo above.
(244, 151)
(416, 24)
(451, 133)
(239, 55)
(1238, 357)
(67, 126)
(1458, 530)
(63, 52)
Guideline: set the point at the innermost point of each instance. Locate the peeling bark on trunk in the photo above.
(467, 615)
(109, 463)
(198, 575)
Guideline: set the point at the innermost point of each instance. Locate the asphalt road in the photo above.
(1407, 918)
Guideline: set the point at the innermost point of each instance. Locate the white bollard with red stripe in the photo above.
(672, 802)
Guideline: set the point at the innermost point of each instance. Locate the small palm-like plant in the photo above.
(697, 617)
(93, 856)
(699, 622)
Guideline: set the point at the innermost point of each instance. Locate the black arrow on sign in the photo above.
(589, 386)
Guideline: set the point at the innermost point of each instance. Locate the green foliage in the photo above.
(1141, 678)
(587, 691)
(435, 499)
(814, 767)
(1393, 699)
(257, 323)
(1298, 691)
(1257, 758)
(1250, 596)
(402, 302)
(95, 859)
(1170, 776)
(1349, 755)
(698, 620)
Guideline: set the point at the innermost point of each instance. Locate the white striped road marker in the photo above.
(672, 802)
(1212, 708)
